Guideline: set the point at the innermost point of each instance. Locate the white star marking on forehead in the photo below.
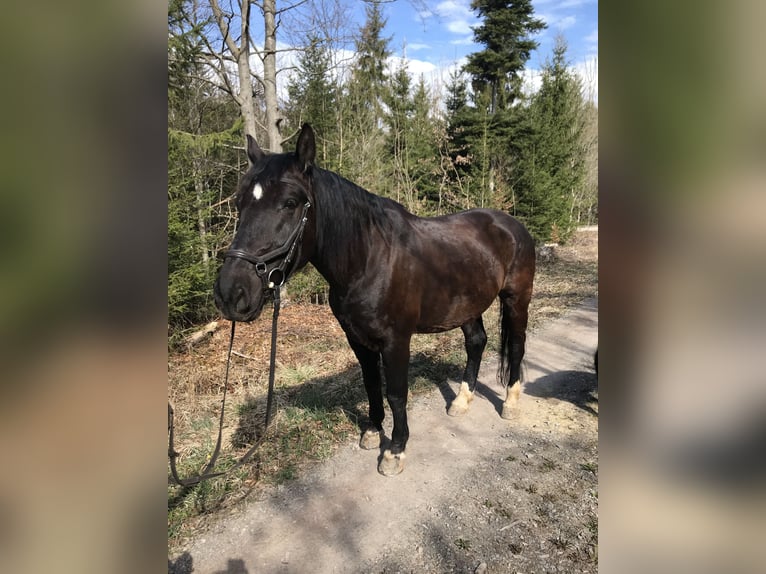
(257, 191)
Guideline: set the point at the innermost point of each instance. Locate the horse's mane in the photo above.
(347, 213)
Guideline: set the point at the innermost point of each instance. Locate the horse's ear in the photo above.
(254, 151)
(305, 149)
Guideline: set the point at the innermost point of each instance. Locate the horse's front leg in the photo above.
(370, 363)
(396, 361)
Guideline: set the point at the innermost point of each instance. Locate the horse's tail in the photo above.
(506, 344)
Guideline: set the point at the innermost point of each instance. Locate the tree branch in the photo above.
(224, 27)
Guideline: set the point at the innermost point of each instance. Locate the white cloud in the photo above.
(414, 67)
(459, 27)
(416, 47)
(463, 41)
(587, 70)
(566, 22)
(557, 21)
(457, 14)
(591, 42)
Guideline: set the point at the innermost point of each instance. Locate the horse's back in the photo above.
(458, 263)
(480, 230)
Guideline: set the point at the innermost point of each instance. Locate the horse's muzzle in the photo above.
(239, 298)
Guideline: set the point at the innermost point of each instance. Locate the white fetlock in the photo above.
(511, 400)
(460, 405)
(391, 464)
(370, 439)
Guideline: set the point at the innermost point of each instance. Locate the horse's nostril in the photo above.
(240, 300)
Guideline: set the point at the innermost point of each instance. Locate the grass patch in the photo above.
(186, 503)
(560, 543)
(296, 375)
(463, 544)
(548, 465)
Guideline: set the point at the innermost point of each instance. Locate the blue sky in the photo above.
(438, 36)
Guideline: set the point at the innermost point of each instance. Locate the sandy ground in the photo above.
(478, 494)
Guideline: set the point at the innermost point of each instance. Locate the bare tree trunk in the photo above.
(199, 189)
(270, 75)
(241, 53)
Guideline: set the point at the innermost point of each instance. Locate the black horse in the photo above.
(391, 274)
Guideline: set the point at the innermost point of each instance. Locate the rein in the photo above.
(207, 471)
(272, 281)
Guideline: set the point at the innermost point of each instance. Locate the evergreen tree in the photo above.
(425, 130)
(412, 144)
(202, 128)
(485, 133)
(397, 118)
(553, 160)
(505, 33)
(312, 98)
(369, 77)
(363, 142)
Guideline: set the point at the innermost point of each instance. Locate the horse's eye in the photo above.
(291, 204)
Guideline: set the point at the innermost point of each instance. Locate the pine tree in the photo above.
(425, 131)
(363, 144)
(553, 161)
(399, 111)
(312, 98)
(203, 126)
(505, 33)
(369, 77)
(485, 133)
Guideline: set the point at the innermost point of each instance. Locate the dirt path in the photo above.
(478, 493)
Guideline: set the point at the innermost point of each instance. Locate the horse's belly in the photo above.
(438, 314)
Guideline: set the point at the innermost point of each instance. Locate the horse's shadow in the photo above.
(342, 391)
(577, 387)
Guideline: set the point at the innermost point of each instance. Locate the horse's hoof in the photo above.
(370, 439)
(391, 464)
(460, 405)
(457, 410)
(508, 412)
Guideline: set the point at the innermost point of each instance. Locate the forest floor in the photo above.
(478, 493)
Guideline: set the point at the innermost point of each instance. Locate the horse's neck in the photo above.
(346, 236)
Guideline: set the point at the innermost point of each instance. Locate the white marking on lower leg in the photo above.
(511, 398)
(257, 191)
(464, 397)
(512, 393)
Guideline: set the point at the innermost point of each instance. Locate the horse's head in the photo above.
(276, 223)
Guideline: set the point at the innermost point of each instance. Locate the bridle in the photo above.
(272, 279)
(277, 275)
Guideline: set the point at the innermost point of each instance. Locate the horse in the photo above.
(390, 273)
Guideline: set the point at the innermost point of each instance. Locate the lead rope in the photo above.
(206, 474)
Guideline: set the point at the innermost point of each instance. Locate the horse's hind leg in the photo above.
(370, 363)
(475, 341)
(514, 309)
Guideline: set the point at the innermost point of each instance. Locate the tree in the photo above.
(313, 97)
(486, 131)
(505, 33)
(362, 106)
(239, 44)
(399, 114)
(203, 127)
(553, 160)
